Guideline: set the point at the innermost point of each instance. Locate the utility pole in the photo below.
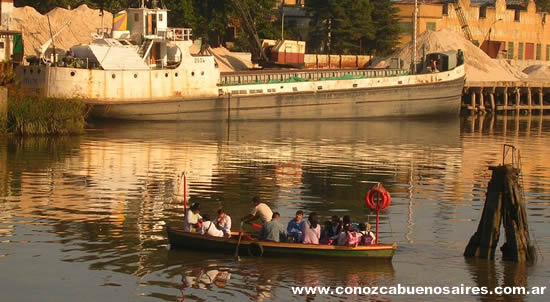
(415, 17)
(283, 25)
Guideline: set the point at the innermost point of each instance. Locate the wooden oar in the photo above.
(239, 242)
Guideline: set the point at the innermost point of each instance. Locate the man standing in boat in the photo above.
(260, 210)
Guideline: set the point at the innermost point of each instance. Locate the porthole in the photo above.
(166, 75)
(135, 75)
(113, 76)
(192, 73)
(73, 73)
(202, 73)
(176, 74)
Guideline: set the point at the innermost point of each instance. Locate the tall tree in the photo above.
(386, 24)
(340, 26)
(543, 5)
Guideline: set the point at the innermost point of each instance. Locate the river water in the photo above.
(83, 218)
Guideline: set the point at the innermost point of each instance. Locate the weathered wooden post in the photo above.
(504, 203)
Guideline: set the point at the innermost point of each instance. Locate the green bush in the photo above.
(34, 115)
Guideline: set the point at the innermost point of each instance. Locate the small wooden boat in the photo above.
(180, 239)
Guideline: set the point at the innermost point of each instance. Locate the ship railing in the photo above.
(304, 76)
(177, 34)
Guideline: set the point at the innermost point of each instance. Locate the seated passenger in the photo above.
(367, 236)
(334, 227)
(294, 227)
(311, 230)
(342, 237)
(192, 218)
(209, 228)
(273, 230)
(223, 222)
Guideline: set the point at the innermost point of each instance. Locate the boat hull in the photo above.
(440, 98)
(180, 239)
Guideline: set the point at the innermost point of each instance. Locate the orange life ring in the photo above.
(377, 199)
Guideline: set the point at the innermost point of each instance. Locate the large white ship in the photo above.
(143, 70)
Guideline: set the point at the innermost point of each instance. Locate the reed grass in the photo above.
(35, 115)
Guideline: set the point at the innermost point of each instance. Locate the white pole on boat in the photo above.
(415, 17)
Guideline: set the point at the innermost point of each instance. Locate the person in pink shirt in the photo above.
(311, 230)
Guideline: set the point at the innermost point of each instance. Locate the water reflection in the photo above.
(97, 205)
(493, 274)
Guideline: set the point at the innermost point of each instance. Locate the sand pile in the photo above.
(84, 22)
(479, 66)
(538, 72)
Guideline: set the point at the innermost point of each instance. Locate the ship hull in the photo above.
(427, 99)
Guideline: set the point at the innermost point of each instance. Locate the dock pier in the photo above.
(489, 96)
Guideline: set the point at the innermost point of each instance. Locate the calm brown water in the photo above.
(82, 218)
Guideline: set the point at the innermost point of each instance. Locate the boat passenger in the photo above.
(342, 238)
(273, 230)
(209, 228)
(294, 227)
(260, 210)
(367, 236)
(193, 218)
(311, 230)
(223, 222)
(335, 227)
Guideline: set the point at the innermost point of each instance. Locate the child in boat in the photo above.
(223, 222)
(273, 230)
(367, 236)
(294, 227)
(209, 228)
(311, 230)
(193, 218)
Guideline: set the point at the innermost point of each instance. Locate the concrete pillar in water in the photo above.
(518, 98)
(541, 96)
(3, 107)
(492, 96)
(529, 98)
(481, 100)
(473, 103)
(505, 98)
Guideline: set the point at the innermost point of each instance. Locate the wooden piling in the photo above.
(505, 204)
(541, 98)
(473, 103)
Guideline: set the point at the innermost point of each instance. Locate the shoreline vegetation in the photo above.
(30, 115)
(36, 115)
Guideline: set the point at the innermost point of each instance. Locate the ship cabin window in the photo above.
(136, 17)
(539, 52)
(1, 45)
(547, 52)
(510, 50)
(430, 26)
(160, 17)
(517, 15)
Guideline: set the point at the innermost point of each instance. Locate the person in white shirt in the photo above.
(223, 222)
(260, 210)
(193, 219)
(209, 228)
